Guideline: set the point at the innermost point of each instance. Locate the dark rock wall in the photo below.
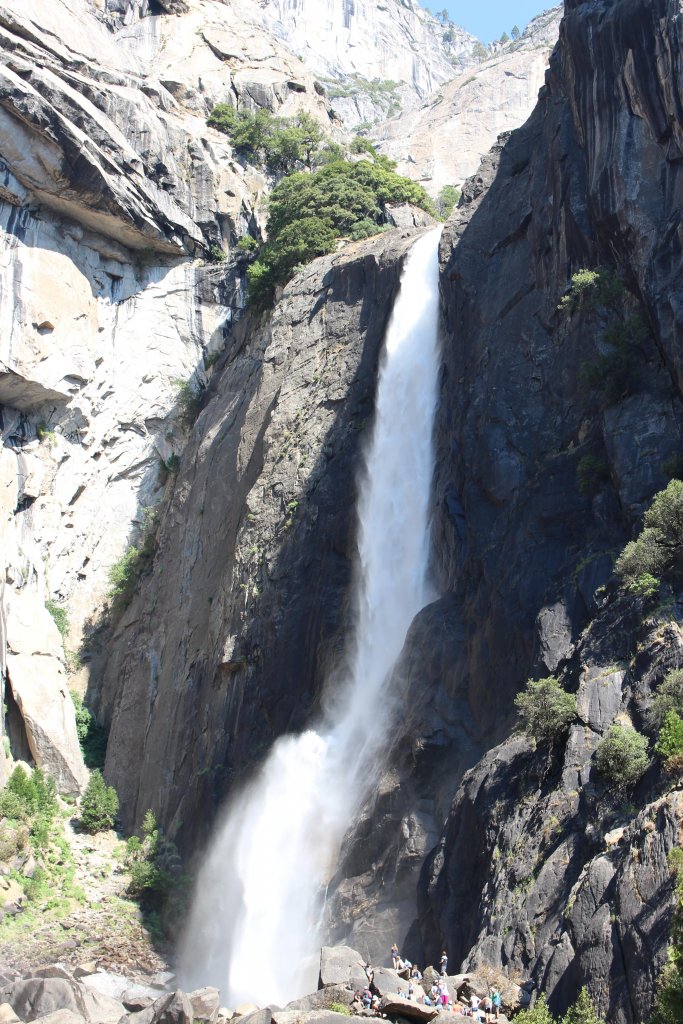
(231, 636)
(527, 873)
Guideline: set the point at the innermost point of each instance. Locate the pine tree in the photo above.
(99, 805)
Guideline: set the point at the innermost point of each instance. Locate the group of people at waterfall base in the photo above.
(486, 1009)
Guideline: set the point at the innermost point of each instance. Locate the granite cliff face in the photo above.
(372, 57)
(111, 187)
(441, 142)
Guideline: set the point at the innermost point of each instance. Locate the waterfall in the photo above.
(253, 926)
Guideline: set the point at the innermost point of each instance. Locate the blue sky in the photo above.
(488, 19)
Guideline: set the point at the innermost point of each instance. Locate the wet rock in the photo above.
(173, 1008)
(341, 965)
(205, 1004)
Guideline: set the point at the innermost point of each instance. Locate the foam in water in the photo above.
(253, 927)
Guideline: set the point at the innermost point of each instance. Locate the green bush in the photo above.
(340, 1008)
(546, 709)
(156, 873)
(282, 144)
(589, 289)
(309, 212)
(669, 744)
(591, 473)
(91, 735)
(621, 757)
(669, 697)
(189, 400)
(125, 573)
(31, 799)
(644, 585)
(658, 551)
(539, 1014)
(668, 1008)
(99, 805)
(247, 244)
(446, 201)
(58, 613)
(582, 1011)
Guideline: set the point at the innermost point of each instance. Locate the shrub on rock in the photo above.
(621, 757)
(670, 742)
(669, 697)
(546, 709)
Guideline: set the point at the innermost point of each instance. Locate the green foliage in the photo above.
(91, 736)
(282, 144)
(515, 33)
(546, 709)
(669, 1005)
(505, 38)
(539, 1014)
(589, 289)
(99, 805)
(479, 51)
(669, 697)
(216, 254)
(309, 212)
(247, 244)
(362, 145)
(673, 466)
(446, 201)
(58, 613)
(31, 800)
(340, 1008)
(645, 585)
(669, 744)
(157, 879)
(658, 550)
(125, 573)
(615, 373)
(172, 463)
(582, 1011)
(621, 757)
(591, 473)
(189, 400)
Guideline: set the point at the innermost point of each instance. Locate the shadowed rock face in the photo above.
(230, 639)
(540, 869)
(525, 874)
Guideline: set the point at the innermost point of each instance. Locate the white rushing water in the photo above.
(253, 927)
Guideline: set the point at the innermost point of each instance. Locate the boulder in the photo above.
(31, 998)
(386, 982)
(391, 1006)
(263, 1016)
(7, 1015)
(63, 1017)
(172, 1008)
(39, 687)
(321, 1016)
(245, 1009)
(321, 999)
(205, 1004)
(52, 971)
(341, 965)
(84, 969)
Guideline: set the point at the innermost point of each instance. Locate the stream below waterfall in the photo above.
(254, 927)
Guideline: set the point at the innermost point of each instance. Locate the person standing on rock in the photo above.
(394, 956)
(488, 1008)
(495, 999)
(444, 964)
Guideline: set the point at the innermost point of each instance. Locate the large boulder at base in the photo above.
(408, 1009)
(322, 999)
(258, 1017)
(173, 1008)
(311, 1017)
(386, 982)
(245, 1009)
(7, 1015)
(32, 998)
(205, 1004)
(341, 965)
(62, 1017)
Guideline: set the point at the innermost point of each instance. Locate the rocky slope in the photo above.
(442, 141)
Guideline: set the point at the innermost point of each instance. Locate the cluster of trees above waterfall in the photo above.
(326, 191)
